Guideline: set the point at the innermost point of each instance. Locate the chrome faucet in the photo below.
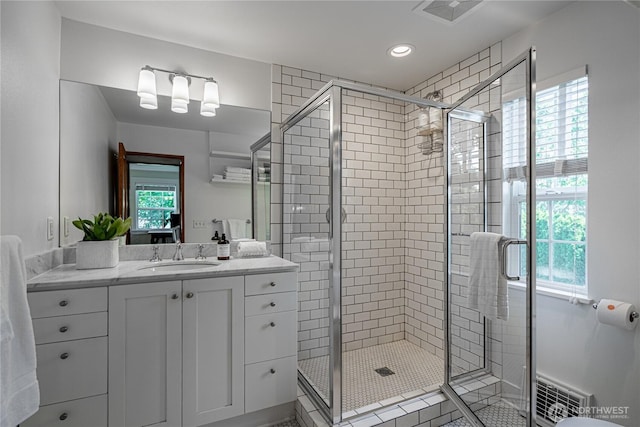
(178, 255)
(200, 256)
(156, 255)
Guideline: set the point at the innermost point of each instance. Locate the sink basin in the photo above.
(180, 266)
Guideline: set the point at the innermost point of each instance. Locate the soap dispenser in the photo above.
(216, 237)
(224, 248)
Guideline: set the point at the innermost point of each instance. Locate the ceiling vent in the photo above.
(446, 10)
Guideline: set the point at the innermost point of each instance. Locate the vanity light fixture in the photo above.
(401, 50)
(179, 93)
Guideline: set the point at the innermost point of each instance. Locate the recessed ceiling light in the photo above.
(398, 51)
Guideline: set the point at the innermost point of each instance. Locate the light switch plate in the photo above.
(50, 231)
(65, 226)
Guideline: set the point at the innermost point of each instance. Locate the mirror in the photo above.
(261, 188)
(94, 119)
(151, 191)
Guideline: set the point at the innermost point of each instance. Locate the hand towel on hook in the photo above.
(487, 290)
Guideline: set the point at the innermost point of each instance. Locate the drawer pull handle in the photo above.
(272, 284)
(273, 371)
(272, 324)
(63, 416)
(63, 303)
(189, 294)
(272, 304)
(174, 296)
(63, 329)
(64, 356)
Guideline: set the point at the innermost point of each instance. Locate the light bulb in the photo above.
(180, 91)
(150, 103)
(207, 110)
(147, 83)
(179, 107)
(210, 96)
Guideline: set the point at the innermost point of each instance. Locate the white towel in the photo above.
(487, 290)
(20, 393)
(252, 249)
(237, 170)
(235, 228)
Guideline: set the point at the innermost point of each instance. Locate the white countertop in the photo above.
(66, 276)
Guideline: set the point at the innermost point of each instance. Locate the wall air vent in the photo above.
(446, 10)
(556, 401)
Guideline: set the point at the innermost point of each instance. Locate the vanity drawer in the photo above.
(67, 328)
(71, 301)
(270, 283)
(270, 336)
(91, 411)
(270, 383)
(270, 303)
(71, 370)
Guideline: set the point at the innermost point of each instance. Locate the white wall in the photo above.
(203, 201)
(572, 346)
(29, 151)
(88, 142)
(112, 58)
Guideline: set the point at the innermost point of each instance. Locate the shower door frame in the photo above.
(529, 58)
(332, 92)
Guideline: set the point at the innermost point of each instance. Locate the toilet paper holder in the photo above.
(633, 315)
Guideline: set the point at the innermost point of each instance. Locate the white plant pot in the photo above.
(97, 254)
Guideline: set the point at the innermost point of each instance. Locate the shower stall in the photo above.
(378, 214)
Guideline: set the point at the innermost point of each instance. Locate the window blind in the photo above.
(561, 132)
(153, 187)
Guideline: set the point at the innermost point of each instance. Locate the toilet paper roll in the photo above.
(616, 313)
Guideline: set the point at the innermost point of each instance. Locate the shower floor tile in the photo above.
(415, 370)
(500, 414)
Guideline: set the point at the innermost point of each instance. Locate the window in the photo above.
(154, 205)
(561, 183)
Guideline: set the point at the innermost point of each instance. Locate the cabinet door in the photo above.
(213, 350)
(145, 352)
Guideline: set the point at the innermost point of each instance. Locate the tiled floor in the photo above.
(414, 369)
(497, 415)
(292, 423)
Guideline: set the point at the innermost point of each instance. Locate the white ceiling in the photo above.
(346, 39)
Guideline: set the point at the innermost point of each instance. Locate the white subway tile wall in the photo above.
(394, 245)
(425, 262)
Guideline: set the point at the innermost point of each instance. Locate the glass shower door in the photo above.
(308, 188)
(488, 361)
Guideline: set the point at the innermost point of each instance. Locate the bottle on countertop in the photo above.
(215, 236)
(224, 248)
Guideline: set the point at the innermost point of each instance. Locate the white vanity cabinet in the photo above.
(271, 329)
(70, 329)
(176, 352)
(187, 351)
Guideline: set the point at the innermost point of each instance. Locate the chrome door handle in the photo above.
(503, 255)
(63, 329)
(343, 215)
(189, 294)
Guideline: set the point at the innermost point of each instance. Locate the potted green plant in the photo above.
(99, 247)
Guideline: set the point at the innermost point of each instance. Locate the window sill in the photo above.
(555, 293)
